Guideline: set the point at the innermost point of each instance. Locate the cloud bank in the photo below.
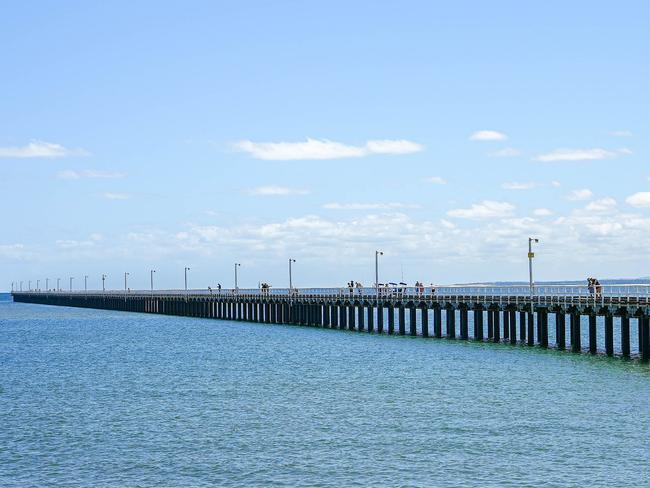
(70, 174)
(368, 206)
(580, 155)
(274, 191)
(40, 149)
(487, 209)
(321, 149)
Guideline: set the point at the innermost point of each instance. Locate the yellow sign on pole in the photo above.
(531, 255)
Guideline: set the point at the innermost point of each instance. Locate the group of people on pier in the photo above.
(594, 286)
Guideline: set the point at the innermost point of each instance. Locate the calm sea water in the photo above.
(96, 398)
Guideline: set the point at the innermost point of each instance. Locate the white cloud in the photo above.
(324, 149)
(602, 205)
(506, 152)
(487, 209)
(437, 180)
(332, 247)
(16, 252)
(116, 196)
(368, 206)
(556, 184)
(621, 133)
(272, 190)
(512, 185)
(488, 135)
(578, 195)
(40, 149)
(447, 224)
(640, 199)
(580, 155)
(73, 244)
(388, 146)
(70, 174)
(542, 212)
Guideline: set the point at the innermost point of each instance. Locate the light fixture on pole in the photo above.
(237, 265)
(290, 277)
(12, 287)
(125, 287)
(531, 255)
(47, 284)
(29, 285)
(103, 282)
(85, 282)
(186, 270)
(377, 254)
(58, 284)
(38, 283)
(151, 273)
(71, 278)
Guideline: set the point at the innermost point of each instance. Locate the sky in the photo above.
(163, 135)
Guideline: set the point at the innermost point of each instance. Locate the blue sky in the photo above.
(140, 135)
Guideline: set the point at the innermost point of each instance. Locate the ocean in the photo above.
(101, 398)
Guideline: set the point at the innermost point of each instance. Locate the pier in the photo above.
(609, 322)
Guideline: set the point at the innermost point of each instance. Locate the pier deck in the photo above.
(513, 315)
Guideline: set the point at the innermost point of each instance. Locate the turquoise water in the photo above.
(96, 398)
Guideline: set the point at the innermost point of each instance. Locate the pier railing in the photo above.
(547, 294)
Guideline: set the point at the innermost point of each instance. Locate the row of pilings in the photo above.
(494, 322)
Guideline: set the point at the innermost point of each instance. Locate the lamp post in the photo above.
(103, 282)
(151, 273)
(29, 285)
(71, 278)
(186, 270)
(377, 254)
(531, 255)
(21, 286)
(47, 284)
(125, 287)
(237, 265)
(290, 277)
(12, 287)
(58, 284)
(38, 283)
(85, 282)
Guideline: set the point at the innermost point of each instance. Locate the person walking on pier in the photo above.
(599, 288)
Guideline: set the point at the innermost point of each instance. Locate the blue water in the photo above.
(96, 398)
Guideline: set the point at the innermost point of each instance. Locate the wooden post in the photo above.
(451, 322)
(593, 335)
(625, 335)
(425, 320)
(609, 334)
(464, 322)
(413, 320)
(478, 323)
(402, 319)
(437, 322)
(560, 331)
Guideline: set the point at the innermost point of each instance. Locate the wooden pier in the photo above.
(510, 315)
